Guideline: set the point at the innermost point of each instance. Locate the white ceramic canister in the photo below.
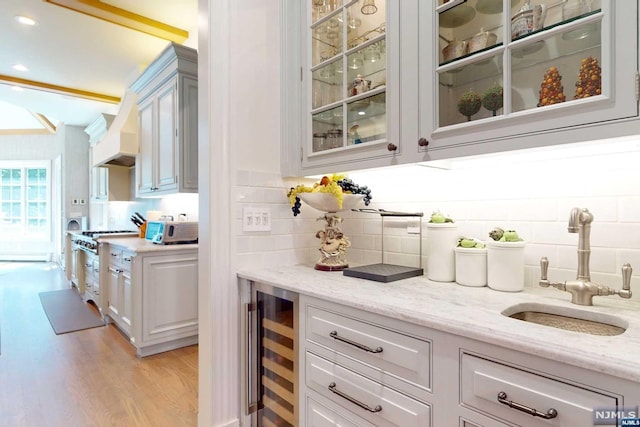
(471, 266)
(442, 239)
(505, 266)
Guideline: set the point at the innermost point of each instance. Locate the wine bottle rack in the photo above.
(278, 384)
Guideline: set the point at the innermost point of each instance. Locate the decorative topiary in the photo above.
(492, 98)
(551, 90)
(469, 104)
(589, 79)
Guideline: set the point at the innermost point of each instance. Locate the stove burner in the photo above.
(86, 239)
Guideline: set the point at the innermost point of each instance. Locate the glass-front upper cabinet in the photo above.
(347, 67)
(503, 68)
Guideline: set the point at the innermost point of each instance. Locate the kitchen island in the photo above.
(151, 292)
(472, 347)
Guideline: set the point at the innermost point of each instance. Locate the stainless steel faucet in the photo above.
(582, 289)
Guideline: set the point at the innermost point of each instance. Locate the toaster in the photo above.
(170, 232)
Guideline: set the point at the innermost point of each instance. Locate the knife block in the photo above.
(143, 230)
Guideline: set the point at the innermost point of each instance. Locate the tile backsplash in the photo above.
(531, 193)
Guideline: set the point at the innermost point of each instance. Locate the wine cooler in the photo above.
(271, 349)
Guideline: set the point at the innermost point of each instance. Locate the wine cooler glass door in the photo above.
(276, 358)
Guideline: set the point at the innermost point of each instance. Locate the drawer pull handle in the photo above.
(502, 398)
(334, 335)
(333, 388)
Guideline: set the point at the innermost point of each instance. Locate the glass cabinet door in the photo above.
(347, 63)
(498, 58)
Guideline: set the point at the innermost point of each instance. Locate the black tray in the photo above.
(383, 272)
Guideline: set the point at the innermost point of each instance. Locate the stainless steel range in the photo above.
(87, 240)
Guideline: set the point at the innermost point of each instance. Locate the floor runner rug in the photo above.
(67, 312)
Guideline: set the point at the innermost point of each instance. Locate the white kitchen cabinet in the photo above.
(348, 69)
(423, 87)
(92, 281)
(119, 299)
(572, 78)
(76, 268)
(423, 376)
(319, 415)
(99, 183)
(169, 297)
(110, 183)
(368, 369)
(168, 117)
(490, 387)
(152, 296)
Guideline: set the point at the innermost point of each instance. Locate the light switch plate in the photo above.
(256, 219)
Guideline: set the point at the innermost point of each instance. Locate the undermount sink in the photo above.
(569, 319)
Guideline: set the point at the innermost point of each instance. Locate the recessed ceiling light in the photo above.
(361, 113)
(25, 20)
(20, 67)
(17, 88)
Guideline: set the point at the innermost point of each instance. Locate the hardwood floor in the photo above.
(84, 378)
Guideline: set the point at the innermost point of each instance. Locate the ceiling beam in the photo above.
(62, 90)
(125, 18)
(44, 121)
(24, 132)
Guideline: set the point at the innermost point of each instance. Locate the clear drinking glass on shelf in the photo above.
(366, 69)
(365, 27)
(367, 119)
(327, 84)
(326, 40)
(321, 8)
(328, 124)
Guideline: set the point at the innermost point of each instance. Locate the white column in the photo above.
(218, 333)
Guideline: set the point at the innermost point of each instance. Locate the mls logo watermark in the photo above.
(615, 416)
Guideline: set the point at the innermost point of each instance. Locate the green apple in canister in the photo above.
(510, 236)
(437, 218)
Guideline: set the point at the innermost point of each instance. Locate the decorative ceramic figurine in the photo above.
(335, 193)
(333, 245)
(360, 85)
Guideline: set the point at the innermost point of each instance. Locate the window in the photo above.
(24, 202)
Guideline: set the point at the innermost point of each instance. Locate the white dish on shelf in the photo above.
(457, 16)
(327, 202)
(491, 7)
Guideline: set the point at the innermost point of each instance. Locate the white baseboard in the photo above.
(25, 257)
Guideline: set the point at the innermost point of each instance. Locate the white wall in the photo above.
(71, 144)
(239, 131)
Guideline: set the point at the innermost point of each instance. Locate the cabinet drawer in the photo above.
(483, 380)
(393, 352)
(368, 399)
(120, 258)
(125, 260)
(319, 415)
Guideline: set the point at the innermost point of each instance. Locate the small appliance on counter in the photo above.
(172, 232)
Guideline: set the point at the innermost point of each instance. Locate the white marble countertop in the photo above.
(139, 245)
(476, 313)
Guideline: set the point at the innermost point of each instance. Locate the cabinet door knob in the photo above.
(422, 142)
(392, 147)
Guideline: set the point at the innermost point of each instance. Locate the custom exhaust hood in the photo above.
(120, 143)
